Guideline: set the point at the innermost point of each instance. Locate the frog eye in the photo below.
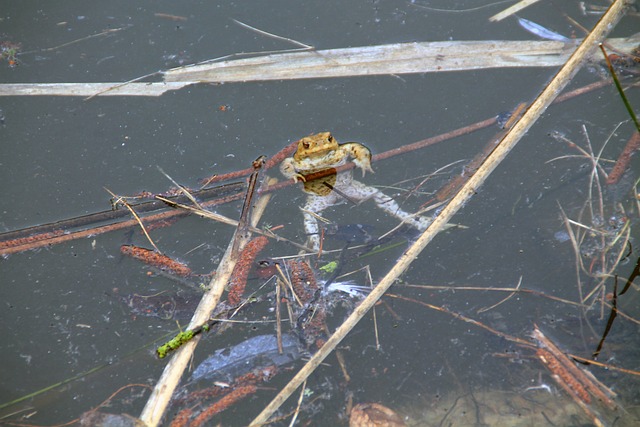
(330, 139)
(306, 144)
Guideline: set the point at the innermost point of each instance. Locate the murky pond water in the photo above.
(64, 325)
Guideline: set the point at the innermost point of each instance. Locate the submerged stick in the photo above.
(537, 108)
(254, 183)
(621, 165)
(578, 383)
(60, 231)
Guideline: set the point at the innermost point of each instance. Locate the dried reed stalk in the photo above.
(398, 58)
(621, 165)
(157, 260)
(537, 108)
(242, 269)
(578, 384)
(230, 399)
(513, 9)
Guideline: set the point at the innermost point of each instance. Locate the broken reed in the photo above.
(242, 268)
(155, 259)
(563, 377)
(241, 387)
(230, 399)
(622, 164)
(578, 383)
(29, 241)
(303, 280)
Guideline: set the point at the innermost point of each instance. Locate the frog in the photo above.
(316, 162)
(322, 153)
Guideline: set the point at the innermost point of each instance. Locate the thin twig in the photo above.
(579, 266)
(604, 365)
(626, 231)
(487, 289)
(273, 36)
(297, 411)
(482, 310)
(512, 10)
(103, 33)
(135, 215)
(181, 188)
(226, 220)
(465, 319)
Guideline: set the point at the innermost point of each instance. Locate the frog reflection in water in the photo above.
(320, 154)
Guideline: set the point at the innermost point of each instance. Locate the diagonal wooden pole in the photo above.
(535, 110)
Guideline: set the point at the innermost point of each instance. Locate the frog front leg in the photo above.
(288, 169)
(360, 154)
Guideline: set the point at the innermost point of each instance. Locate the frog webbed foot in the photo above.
(364, 165)
(288, 169)
(361, 156)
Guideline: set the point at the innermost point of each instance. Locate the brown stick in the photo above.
(67, 225)
(470, 168)
(625, 158)
(48, 239)
(271, 162)
(465, 319)
(229, 400)
(53, 237)
(573, 376)
(290, 149)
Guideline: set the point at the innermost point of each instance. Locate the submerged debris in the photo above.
(541, 31)
(374, 415)
(621, 165)
(101, 419)
(229, 363)
(9, 52)
(164, 305)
